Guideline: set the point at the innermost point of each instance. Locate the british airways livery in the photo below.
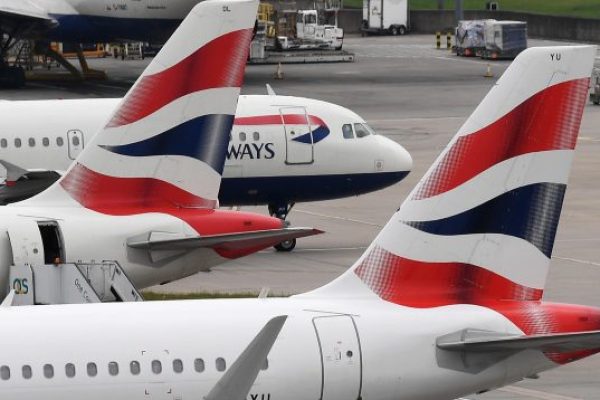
(281, 149)
(446, 302)
(143, 192)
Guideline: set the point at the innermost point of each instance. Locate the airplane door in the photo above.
(340, 357)
(75, 143)
(298, 135)
(26, 242)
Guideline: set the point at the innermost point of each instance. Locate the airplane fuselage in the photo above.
(93, 21)
(282, 149)
(328, 349)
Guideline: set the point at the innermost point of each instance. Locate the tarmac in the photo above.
(418, 96)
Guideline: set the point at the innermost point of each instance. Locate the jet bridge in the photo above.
(70, 283)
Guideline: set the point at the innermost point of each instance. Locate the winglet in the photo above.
(270, 91)
(239, 378)
(8, 300)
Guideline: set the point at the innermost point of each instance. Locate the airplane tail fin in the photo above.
(166, 142)
(481, 223)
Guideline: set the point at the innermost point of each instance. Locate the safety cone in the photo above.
(488, 72)
(279, 72)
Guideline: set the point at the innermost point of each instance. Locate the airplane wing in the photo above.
(239, 378)
(473, 341)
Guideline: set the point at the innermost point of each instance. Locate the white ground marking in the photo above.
(579, 261)
(358, 221)
(536, 394)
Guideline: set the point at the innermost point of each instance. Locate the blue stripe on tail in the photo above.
(529, 212)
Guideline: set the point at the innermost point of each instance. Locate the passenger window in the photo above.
(256, 136)
(4, 143)
(178, 366)
(69, 370)
(242, 136)
(92, 369)
(46, 142)
(17, 142)
(134, 367)
(59, 141)
(75, 141)
(199, 365)
(347, 131)
(361, 130)
(113, 368)
(48, 371)
(156, 367)
(220, 364)
(4, 373)
(26, 370)
(31, 142)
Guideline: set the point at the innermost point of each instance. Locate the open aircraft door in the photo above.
(74, 143)
(341, 357)
(298, 135)
(26, 242)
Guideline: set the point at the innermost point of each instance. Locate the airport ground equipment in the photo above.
(385, 16)
(490, 39)
(75, 283)
(504, 39)
(308, 33)
(470, 40)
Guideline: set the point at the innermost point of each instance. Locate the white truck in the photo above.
(385, 16)
(310, 35)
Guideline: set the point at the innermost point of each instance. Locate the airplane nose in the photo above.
(397, 158)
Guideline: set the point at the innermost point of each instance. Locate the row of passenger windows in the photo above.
(113, 368)
(243, 136)
(361, 130)
(45, 142)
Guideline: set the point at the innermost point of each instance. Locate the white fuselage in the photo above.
(328, 349)
(264, 163)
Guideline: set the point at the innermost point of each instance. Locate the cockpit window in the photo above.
(362, 130)
(347, 131)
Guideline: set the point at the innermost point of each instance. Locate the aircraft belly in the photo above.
(263, 190)
(88, 28)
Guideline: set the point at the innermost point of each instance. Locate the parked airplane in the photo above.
(282, 150)
(143, 193)
(447, 301)
(94, 21)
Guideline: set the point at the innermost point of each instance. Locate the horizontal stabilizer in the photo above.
(231, 241)
(475, 341)
(239, 378)
(13, 172)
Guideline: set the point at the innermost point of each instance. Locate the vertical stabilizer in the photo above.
(480, 225)
(166, 142)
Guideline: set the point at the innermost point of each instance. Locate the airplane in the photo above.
(143, 193)
(282, 150)
(83, 21)
(446, 302)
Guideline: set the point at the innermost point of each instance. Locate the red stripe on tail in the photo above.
(426, 284)
(548, 120)
(125, 196)
(190, 75)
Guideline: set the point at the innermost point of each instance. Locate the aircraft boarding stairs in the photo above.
(71, 283)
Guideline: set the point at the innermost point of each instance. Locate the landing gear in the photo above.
(281, 211)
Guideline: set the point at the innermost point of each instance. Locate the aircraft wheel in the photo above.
(286, 246)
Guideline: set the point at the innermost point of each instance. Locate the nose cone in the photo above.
(396, 159)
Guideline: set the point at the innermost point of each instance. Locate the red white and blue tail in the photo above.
(480, 225)
(166, 143)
